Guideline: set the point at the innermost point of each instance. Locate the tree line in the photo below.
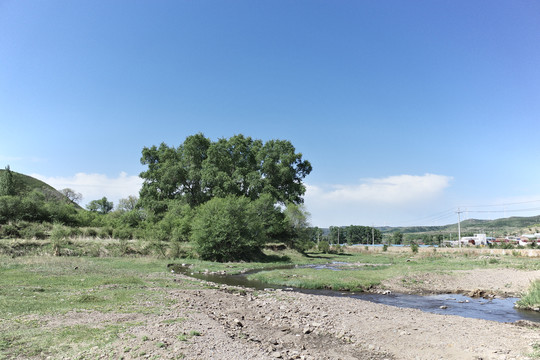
(227, 197)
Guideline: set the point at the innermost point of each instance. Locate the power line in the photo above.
(504, 204)
(505, 211)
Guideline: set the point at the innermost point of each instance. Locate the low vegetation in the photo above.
(35, 290)
(531, 299)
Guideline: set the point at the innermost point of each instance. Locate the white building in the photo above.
(477, 239)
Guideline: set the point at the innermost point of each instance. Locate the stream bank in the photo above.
(490, 307)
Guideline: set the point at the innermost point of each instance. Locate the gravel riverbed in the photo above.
(221, 322)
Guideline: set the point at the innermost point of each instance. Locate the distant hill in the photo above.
(498, 227)
(25, 184)
(515, 224)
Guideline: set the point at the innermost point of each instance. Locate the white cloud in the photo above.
(383, 201)
(390, 190)
(95, 186)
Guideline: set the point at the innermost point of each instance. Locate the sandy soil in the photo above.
(481, 282)
(231, 323)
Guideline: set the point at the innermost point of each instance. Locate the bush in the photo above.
(122, 233)
(414, 247)
(90, 232)
(59, 235)
(105, 232)
(531, 299)
(228, 229)
(385, 247)
(9, 231)
(34, 231)
(324, 247)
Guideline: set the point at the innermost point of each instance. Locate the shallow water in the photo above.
(501, 310)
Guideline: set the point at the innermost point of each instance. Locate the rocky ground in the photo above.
(231, 323)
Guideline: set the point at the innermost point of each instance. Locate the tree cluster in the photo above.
(200, 169)
(354, 234)
(229, 196)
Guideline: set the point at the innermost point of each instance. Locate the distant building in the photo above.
(477, 239)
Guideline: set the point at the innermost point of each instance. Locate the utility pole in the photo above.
(459, 226)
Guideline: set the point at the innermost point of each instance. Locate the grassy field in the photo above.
(373, 268)
(34, 290)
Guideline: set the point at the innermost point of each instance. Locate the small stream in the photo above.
(501, 310)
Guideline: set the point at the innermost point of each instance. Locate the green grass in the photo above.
(34, 290)
(396, 265)
(531, 299)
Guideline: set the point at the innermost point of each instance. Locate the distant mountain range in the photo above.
(510, 224)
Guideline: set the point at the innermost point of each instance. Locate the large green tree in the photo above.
(199, 170)
(174, 174)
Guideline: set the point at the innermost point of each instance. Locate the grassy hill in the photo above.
(505, 226)
(25, 184)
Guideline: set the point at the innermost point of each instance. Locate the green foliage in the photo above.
(102, 206)
(200, 169)
(122, 233)
(128, 204)
(531, 299)
(397, 237)
(34, 231)
(414, 247)
(34, 207)
(7, 184)
(385, 247)
(9, 231)
(59, 236)
(228, 229)
(356, 234)
(297, 221)
(323, 247)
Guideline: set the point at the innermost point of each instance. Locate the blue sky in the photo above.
(407, 110)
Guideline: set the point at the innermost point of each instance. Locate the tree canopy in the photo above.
(200, 169)
(102, 206)
(7, 185)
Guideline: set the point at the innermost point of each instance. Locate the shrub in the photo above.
(414, 247)
(385, 247)
(324, 247)
(59, 234)
(9, 231)
(74, 232)
(122, 233)
(34, 231)
(228, 229)
(531, 299)
(90, 232)
(105, 232)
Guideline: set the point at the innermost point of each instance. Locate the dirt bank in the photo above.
(228, 323)
(484, 282)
